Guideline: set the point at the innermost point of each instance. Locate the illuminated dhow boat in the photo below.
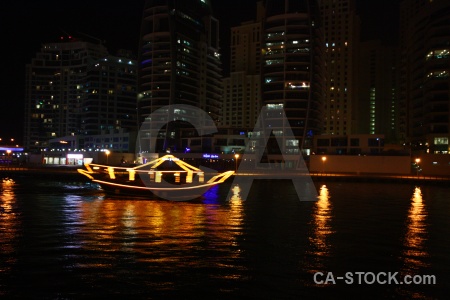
(173, 180)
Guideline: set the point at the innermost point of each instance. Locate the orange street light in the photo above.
(107, 152)
(417, 167)
(9, 153)
(324, 158)
(236, 156)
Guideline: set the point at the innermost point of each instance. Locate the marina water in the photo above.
(65, 239)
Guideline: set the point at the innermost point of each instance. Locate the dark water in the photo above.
(65, 240)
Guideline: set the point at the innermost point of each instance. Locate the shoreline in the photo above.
(70, 172)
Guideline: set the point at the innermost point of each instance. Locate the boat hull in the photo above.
(164, 192)
(186, 183)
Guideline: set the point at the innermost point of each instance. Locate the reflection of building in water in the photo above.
(322, 230)
(415, 251)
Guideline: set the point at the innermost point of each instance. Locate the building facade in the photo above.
(425, 73)
(242, 89)
(179, 64)
(75, 88)
(110, 92)
(54, 90)
(354, 144)
(293, 74)
(341, 29)
(377, 109)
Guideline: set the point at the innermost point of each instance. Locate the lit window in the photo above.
(275, 106)
(441, 141)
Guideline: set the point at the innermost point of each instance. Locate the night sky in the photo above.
(25, 25)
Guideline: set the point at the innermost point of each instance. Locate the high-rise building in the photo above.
(179, 64)
(377, 91)
(54, 90)
(341, 34)
(242, 89)
(75, 88)
(109, 101)
(293, 74)
(425, 73)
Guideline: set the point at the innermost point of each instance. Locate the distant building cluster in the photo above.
(76, 88)
(304, 61)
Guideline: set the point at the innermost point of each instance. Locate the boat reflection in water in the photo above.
(64, 239)
(154, 238)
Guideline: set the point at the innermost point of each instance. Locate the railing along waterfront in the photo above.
(257, 173)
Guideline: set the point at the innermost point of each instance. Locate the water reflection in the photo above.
(415, 250)
(163, 235)
(322, 229)
(236, 193)
(9, 223)
(7, 195)
(212, 195)
(235, 215)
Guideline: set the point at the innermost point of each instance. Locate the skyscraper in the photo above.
(341, 35)
(55, 88)
(425, 73)
(377, 107)
(293, 74)
(179, 63)
(75, 88)
(242, 89)
(110, 95)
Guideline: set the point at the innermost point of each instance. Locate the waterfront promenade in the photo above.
(55, 172)
(70, 172)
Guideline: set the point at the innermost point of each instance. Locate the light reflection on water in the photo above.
(71, 237)
(7, 195)
(9, 224)
(415, 250)
(159, 235)
(319, 240)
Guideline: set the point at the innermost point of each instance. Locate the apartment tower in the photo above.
(425, 73)
(242, 89)
(293, 74)
(179, 64)
(341, 37)
(55, 89)
(75, 88)
(377, 91)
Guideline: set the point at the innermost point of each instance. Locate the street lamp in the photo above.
(107, 154)
(9, 153)
(324, 158)
(418, 167)
(236, 156)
